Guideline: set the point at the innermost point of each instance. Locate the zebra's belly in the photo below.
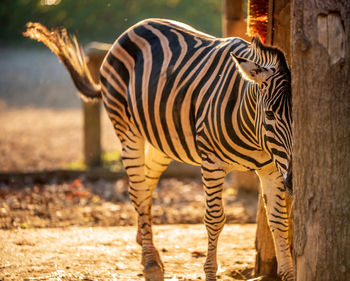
(178, 145)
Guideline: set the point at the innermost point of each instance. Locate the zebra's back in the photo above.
(164, 76)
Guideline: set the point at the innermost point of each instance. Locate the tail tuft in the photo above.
(70, 53)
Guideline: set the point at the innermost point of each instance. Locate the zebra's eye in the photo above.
(270, 115)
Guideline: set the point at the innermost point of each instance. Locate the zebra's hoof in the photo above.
(153, 272)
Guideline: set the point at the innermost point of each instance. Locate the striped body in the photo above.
(184, 94)
(175, 93)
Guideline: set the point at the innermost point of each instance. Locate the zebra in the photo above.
(172, 92)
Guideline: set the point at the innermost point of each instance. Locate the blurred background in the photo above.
(104, 20)
(40, 111)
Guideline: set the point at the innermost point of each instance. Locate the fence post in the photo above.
(95, 53)
(233, 22)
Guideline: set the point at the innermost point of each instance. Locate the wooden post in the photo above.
(91, 110)
(92, 134)
(279, 30)
(233, 22)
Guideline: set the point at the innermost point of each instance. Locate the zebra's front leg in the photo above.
(140, 194)
(213, 179)
(274, 194)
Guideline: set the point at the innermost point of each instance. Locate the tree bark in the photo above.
(265, 259)
(321, 139)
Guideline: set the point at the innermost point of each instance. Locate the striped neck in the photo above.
(246, 116)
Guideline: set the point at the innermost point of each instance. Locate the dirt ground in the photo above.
(111, 253)
(79, 229)
(82, 230)
(104, 203)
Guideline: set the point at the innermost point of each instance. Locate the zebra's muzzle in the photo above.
(288, 181)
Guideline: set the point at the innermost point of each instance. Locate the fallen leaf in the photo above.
(77, 183)
(24, 225)
(81, 193)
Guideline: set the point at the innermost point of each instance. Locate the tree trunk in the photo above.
(321, 139)
(265, 259)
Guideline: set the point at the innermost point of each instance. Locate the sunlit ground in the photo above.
(112, 253)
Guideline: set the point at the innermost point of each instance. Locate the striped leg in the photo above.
(140, 193)
(155, 164)
(274, 194)
(213, 179)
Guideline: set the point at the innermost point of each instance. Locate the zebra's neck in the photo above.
(228, 123)
(247, 114)
(235, 108)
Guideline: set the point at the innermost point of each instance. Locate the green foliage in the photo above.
(75, 165)
(112, 161)
(104, 20)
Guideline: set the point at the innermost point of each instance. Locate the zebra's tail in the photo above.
(70, 53)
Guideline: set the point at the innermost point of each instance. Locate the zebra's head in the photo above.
(267, 67)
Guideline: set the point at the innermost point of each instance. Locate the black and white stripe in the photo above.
(179, 92)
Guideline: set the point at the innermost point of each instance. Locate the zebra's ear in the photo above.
(251, 71)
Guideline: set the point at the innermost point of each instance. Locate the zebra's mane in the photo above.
(267, 55)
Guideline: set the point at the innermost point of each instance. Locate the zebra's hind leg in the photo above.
(140, 193)
(156, 163)
(274, 194)
(213, 179)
